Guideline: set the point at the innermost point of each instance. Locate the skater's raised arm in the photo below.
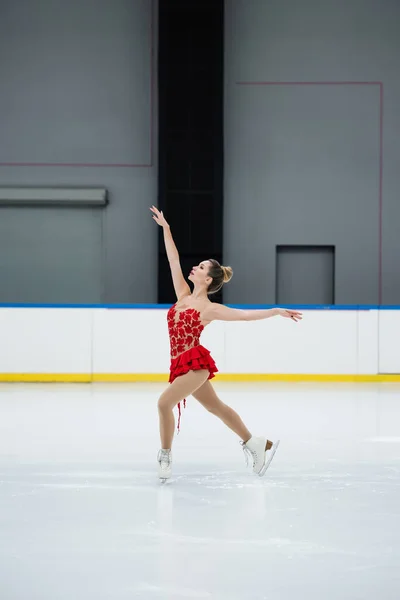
(180, 285)
(219, 312)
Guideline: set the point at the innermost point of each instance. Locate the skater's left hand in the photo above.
(290, 314)
(158, 216)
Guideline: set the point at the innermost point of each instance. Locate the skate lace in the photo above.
(164, 458)
(248, 454)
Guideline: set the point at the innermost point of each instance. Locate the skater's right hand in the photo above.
(289, 314)
(159, 217)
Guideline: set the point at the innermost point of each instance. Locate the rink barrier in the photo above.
(129, 343)
(332, 307)
(163, 378)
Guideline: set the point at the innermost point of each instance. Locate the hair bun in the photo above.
(228, 272)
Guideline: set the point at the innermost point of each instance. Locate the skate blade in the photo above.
(271, 456)
(163, 480)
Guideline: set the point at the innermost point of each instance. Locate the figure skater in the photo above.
(191, 364)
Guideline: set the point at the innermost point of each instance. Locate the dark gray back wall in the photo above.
(302, 162)
(76, 89)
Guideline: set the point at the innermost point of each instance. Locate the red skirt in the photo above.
(194, 359)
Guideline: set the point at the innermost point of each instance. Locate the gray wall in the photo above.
(302, 161)
(75, 82)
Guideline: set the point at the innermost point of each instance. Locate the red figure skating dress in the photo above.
(187, 354)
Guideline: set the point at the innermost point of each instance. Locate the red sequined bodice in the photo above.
(184, 327)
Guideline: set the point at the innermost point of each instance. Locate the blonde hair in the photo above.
(219, 274)
(228, 272)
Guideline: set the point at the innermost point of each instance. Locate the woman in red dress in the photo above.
(191, 364)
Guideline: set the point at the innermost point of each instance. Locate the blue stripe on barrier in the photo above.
(110, 306)
(241, 306)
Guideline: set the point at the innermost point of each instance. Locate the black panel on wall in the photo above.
(190, 98)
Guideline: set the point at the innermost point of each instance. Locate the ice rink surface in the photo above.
(83, 517)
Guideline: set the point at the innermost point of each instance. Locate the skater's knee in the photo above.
(216, 408)
(165, 403)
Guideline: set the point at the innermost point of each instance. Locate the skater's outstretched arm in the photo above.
(219, 312)
(180, 285)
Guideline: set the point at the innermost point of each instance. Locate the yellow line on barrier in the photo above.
(299, 377)
(163, 377)
(46, 377)
(131, 377)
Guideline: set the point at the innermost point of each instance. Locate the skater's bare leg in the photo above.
(208, 398)
(181, 388)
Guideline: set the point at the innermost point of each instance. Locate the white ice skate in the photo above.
(164, 465)
(255, 450)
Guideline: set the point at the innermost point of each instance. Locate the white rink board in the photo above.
(389, 337)
(130, 341)
(124, 341)
(324, 342)
(45, 340)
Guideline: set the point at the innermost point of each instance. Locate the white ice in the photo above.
(82, 515)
